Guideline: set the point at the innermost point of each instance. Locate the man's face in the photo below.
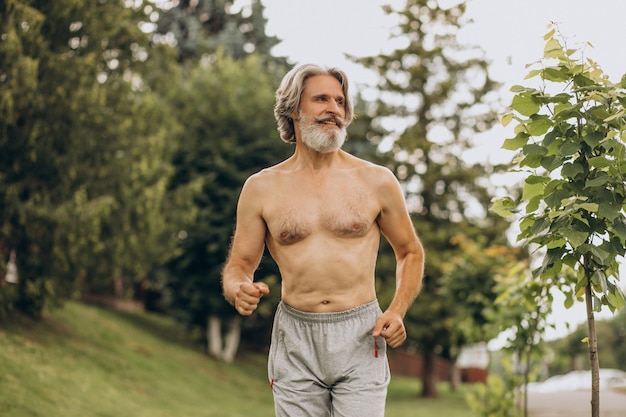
(321, 116)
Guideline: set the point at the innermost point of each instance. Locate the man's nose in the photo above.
(334, 108)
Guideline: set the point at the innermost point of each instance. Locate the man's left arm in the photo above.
(395, 224)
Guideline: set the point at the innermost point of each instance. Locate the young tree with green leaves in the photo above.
(570, 136)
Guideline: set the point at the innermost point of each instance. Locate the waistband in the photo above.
(330, 317)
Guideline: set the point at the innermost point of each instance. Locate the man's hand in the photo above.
(391, 327)
(248, 297)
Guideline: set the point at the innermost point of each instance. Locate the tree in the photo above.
(81, 155)
(470, 283)
(440, 91)
(202, 27)
(230, 133)
(571, 145)
(569, 350)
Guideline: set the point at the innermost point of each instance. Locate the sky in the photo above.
(509, 31)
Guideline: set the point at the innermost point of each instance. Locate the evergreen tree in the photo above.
(81, 149)
(440, 90)
(202, 27)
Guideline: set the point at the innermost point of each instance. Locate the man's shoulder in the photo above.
(264, 176)
(370, 168)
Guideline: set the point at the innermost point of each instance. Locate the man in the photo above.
(321, 213)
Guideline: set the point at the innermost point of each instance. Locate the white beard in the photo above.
(320, 137)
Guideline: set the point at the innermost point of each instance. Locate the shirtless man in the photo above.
(321, 213)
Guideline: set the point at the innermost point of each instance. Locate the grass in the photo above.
(88, 361)
(403, 401)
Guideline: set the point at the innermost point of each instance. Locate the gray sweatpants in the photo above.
(328, 364)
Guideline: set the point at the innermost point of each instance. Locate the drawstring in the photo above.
(375, 348)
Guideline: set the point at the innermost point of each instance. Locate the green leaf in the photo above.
(568, 302)
(539, 125)
(503, 207)
(557, 243)
(582, 81)
(550, 34)
(525, 105)
(617, 115)
(620, 229)
(554, 74)
(506, 119)
(518, 88)
(600, 254)
(553, 49)
(515, 143)
(526, 223)
(600, 180)
(554, 198)
(532, 190)
(599, 162)
(600, 279)
(570, 170)
(619, 294)
(532, 73)
(565, 111)
(533, 149)
(539, 226)
(609, 211)
(536, 179)
(574, 237)
(590, 207)
(593, 139)
(569, 148)
(616, 299)
(532, 161)
(533, 204)
(550, 163)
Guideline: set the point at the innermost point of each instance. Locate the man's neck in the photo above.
(306, 157)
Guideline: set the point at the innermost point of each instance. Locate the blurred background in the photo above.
(127, 129)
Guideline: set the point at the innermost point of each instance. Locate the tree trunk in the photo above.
(231, 339)
(528, 359)
(455, 374)
(429, 378)
(214, 337)
(593, 354)
(223, 347)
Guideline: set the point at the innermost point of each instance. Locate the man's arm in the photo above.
(396, 225)
(245, 253)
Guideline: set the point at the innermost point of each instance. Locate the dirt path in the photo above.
(575, 404)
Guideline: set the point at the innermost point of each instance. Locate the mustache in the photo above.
(329, 117)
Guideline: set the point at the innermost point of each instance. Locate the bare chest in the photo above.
(342, 209)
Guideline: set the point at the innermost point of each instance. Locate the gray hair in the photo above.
(289, 94)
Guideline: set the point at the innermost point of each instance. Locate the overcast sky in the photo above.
(510, 32)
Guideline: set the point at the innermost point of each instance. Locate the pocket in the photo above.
(276, 347)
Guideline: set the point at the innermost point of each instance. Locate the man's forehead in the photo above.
(323, 84)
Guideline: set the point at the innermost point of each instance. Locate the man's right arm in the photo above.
(245, 253)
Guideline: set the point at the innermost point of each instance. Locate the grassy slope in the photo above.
(86, 361)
